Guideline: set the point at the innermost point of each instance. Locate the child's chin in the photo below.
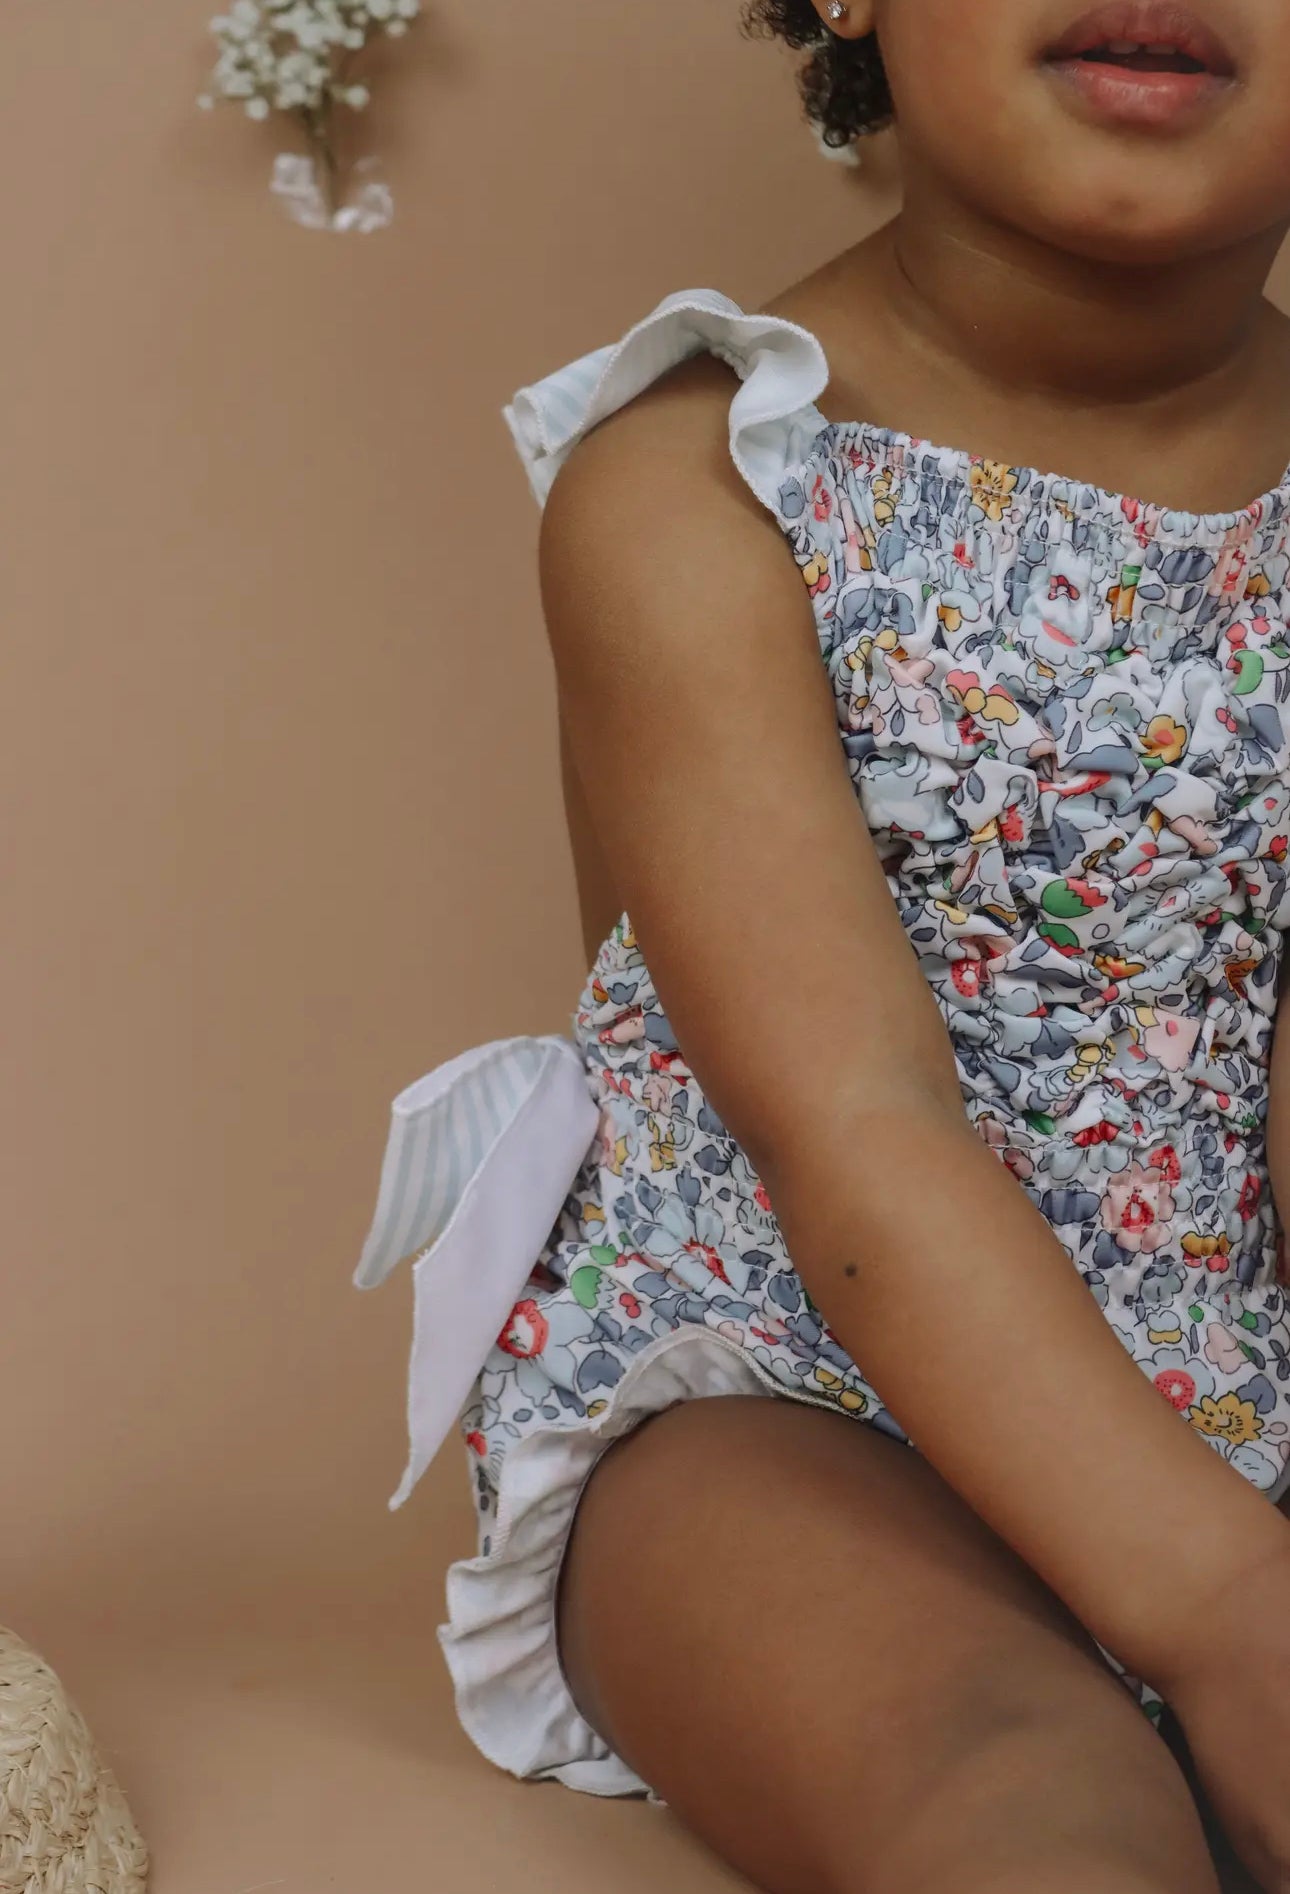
(1128, 227)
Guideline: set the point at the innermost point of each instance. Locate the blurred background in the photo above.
(284, 830)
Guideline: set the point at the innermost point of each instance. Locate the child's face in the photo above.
(1034, 112)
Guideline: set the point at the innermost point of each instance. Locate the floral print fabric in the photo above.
(1065, 719)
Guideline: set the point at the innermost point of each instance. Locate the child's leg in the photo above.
(801, 1638)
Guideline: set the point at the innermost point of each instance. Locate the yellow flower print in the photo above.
(981, 700)
(1157, 1335)
(993, 485)
(883, 491)
(592, 1214)
(1238, 972)
(849, 1398)
(1089, 1060)
(1229, 1418)
(1212, 1251)
(816, 573)
(1122, 597)
(1008, 917)
(662, 1150)
(1258, 585)
(954, 914)
(1116, 967)
(1164, 741)
(951, 618)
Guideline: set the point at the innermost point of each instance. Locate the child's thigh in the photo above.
(825, 1663)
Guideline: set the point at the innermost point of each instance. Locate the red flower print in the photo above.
(1011, 826)
(709, 1258)
(630, 1303)
(966, 975)
(1104, 1132)
(1248, 1201)
(761, 1197)
(526, 1332)
(821, 499)
(1280, 843)
(1165, 1160)
(1178, 1388)
(1137, 1210)
(477, 1442)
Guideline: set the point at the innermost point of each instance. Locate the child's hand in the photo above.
(1233, 1701)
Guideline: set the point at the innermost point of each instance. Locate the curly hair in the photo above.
(843, 85)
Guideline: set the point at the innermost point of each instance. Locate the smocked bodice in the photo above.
(1065, 720)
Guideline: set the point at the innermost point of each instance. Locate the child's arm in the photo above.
(598, 904)
(702, 721)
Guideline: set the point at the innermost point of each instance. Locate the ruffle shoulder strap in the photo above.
(782, 370)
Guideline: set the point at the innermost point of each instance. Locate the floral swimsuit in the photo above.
(1065, 718)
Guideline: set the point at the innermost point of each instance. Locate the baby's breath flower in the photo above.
(293, 56)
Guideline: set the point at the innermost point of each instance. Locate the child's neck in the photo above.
(1024, 315)
(1170, 383)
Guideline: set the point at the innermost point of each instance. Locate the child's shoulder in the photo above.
(697, 381)
(669, 440)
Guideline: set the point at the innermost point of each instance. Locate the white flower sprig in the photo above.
(295, 56)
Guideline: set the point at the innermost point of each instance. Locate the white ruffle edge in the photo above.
(773, 418)
(500, 1640)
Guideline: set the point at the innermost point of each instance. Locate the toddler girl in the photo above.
(931, 816)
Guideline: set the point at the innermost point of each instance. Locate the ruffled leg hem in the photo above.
(500, 1639)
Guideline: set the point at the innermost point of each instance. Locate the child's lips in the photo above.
(1142, 63)
(1124, 96)
(1145, 24)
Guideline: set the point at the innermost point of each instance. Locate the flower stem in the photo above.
(318, 131)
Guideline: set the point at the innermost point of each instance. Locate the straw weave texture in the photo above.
(64, 1824)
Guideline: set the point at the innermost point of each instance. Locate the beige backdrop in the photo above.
(285, 831)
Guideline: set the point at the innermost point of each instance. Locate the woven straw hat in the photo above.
(64, 1824)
